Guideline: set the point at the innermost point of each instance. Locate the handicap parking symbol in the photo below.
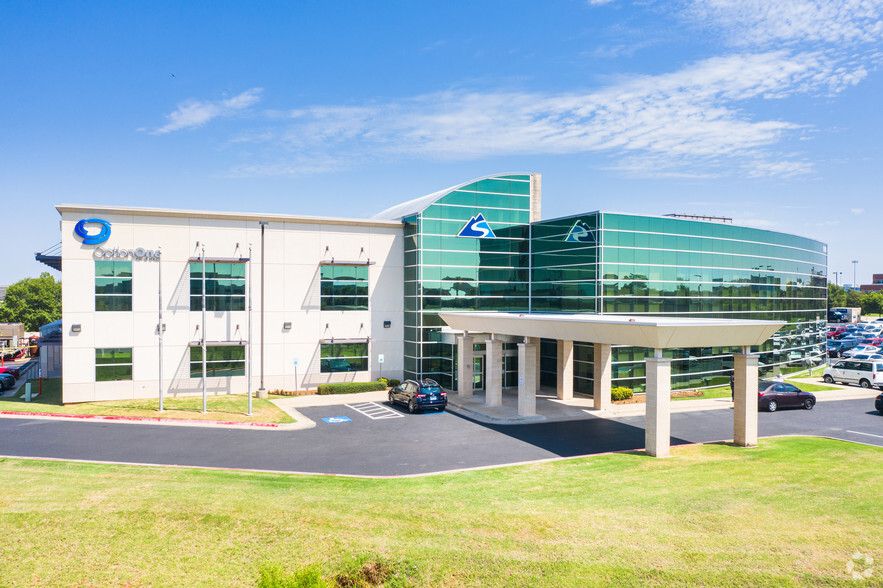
(340, 419)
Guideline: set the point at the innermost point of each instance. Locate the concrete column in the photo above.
(745, 399)
(527, 370)
(493, 369)
(565, 370)
(536, 345)
(603, 376)
(657, 431)
(465, 357)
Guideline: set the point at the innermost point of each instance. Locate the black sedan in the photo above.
(419, 395)
(772, 396)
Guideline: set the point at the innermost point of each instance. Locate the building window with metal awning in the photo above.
(344, 285)
(224, 284)
(344, 355)
(222, 358)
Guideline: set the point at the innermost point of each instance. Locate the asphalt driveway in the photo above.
(356, 443)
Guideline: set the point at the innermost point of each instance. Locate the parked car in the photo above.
(772, 396)
(874, 341)
(7, 381)
(867, 356)
(14, 370)
(847, 343)
(835, 316)
(833, 348)
(836, 332)
(866, 374)
(878, 403)
(419, 395)
(860, 349)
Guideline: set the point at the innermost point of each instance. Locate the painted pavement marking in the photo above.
(375, 411)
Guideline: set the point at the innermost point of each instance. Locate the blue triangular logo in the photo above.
(580, 233)
(477, 227)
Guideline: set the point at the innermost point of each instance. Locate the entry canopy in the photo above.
(655, 332)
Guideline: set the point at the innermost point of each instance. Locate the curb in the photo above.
(147, 420)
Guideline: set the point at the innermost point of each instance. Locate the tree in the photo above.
(32, 301)
(836, 296)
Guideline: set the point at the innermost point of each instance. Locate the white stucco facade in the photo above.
(295, 247)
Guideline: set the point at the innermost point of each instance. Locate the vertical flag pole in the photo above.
(204, 351)
(160, 327)
(248, 379)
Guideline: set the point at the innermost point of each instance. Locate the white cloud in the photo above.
(688, 123)
(194, 113)
(857, 210)
(765, 22)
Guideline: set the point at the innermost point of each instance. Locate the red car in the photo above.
(15, 371)
(836, 332)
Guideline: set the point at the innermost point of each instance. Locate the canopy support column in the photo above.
(493, 368)
(527, 370)
(565, 370)
(745, 398)
(657, 431)
(602, 380)
(465, 360)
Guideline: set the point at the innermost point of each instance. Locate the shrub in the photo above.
(384, 380)
(394, 383)
(620, 393)
(350, 387)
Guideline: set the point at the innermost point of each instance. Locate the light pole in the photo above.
(262, 392)
(854, 263)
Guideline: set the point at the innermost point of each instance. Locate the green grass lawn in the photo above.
(791, 512)
(231, 407)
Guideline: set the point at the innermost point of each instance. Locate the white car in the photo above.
(867, 357)
(860, 349)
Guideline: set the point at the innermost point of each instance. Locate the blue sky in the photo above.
(766, 112)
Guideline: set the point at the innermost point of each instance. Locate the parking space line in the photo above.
(375, 411)
(868, 434)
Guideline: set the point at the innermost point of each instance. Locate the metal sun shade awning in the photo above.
(345, 262)
(219, 343)
(220, 259)
(50, 256)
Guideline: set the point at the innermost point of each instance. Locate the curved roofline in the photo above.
(420, 204)
(662, 216)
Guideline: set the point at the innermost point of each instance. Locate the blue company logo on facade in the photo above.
(89, 239)
(580, 233)
(477, 227)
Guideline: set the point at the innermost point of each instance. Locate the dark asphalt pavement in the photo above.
(412, 444)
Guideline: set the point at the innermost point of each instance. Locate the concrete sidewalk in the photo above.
(550, 409)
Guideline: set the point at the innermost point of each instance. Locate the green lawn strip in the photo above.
(232, 408)
(719, 392)
(789, 513)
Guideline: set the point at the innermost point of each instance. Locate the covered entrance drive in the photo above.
(656, 333)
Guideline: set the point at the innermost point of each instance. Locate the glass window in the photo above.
(113, 363)
(113, 285)
(344, 357)
(224, 286)
(220, 360)
(344, 287)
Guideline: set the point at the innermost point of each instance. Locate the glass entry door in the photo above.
(478, 373)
